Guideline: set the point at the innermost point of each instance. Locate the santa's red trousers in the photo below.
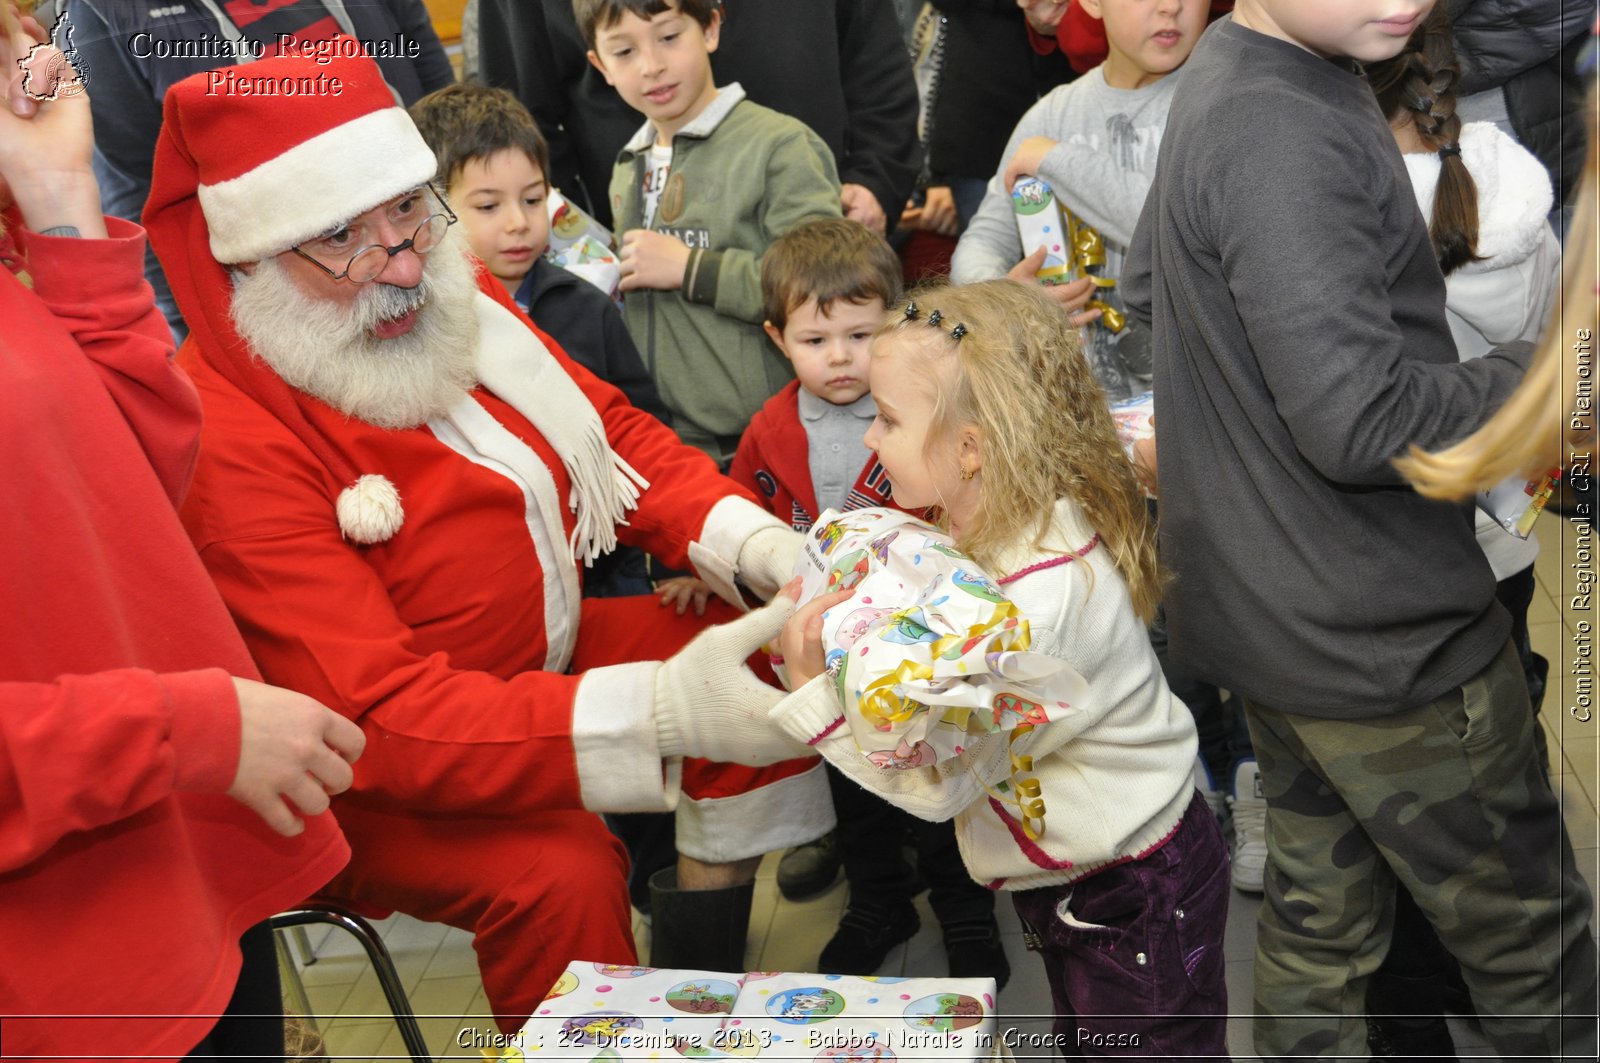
(534, 893)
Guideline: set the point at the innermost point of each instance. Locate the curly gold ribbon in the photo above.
(884, 706)
(1089, 249)
(1028, 797)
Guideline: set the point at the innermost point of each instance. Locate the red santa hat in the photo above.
(252, 160)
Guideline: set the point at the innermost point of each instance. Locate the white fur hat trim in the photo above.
(369, 510)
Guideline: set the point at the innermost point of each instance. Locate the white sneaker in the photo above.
(1249, 828)
(1214, 798)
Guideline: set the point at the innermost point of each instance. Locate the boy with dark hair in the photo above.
(705, 185)
(493, 162)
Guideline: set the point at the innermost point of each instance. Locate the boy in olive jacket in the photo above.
(699, 192)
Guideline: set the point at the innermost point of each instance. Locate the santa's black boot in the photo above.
(701, 930)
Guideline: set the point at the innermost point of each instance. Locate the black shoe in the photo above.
(864, 938)
(1421, 1037)
(808, 869)
(975, 951)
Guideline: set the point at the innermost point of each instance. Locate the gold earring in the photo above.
(967, 474)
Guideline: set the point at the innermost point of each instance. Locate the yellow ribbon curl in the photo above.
(1089, 249)
(885, 704)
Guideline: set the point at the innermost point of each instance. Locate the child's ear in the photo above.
(594, 61)
(970, 439)
(713, 30)
(775, 334)
(1092, 9)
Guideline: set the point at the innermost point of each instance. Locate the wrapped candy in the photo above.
(1515, 503)
(929, 654)
(581, 245)
(1073, 247)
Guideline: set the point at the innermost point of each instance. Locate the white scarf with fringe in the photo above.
(517, 367)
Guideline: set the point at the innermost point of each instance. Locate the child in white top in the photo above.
(988, 411)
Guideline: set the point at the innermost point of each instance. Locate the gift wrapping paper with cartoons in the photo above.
(929, 654)
(599, 1011)
(581, 245)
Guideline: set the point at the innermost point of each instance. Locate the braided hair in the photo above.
(1419, 86)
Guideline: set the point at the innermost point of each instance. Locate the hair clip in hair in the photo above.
(1449, 150)
(911, 311)
(959, 331)
(934, 318)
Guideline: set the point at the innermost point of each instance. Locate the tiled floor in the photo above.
(438, 965)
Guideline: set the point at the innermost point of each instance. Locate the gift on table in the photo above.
(608, 1012)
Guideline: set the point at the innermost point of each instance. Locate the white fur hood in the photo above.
(1514, 195)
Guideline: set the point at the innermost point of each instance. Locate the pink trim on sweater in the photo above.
(826, 731)
(1064, 559)
(1039, 857)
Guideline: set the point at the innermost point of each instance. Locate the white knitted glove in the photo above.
(709, 704)
(767, 559)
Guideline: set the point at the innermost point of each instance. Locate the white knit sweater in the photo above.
(1115, 777)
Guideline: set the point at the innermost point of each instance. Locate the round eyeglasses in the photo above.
(370, 260)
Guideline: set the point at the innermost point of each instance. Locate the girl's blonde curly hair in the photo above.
(1017, 372)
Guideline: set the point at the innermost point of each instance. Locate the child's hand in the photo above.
(800, 642)
(1025, 163)
(1073, 296)
(652, 260)
(936, 215)
(1144, 464)
(683, 591)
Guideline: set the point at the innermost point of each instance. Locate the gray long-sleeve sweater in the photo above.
(1300, 345)
(1107, 141)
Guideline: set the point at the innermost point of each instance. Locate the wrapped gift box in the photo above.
(605, 1012)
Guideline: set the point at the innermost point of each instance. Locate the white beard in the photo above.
(329, 351)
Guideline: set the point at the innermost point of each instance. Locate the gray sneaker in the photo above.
(1249, 828)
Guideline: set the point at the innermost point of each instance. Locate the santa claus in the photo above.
(400, 480)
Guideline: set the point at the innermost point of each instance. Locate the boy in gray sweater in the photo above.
(1300, 345)
(1095, 141)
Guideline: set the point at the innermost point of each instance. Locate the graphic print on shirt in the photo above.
(1133, 148)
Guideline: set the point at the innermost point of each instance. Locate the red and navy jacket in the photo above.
(773, 461)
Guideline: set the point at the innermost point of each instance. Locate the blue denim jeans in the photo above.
(1134, 952)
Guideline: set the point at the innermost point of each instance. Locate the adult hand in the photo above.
(293, 753)
(709, 704)
(1027, 159)
(45, 143)
(1073, 296)
(936, 215)
(800, 643)
(859, 204)
(652, 260)
(1043, 15)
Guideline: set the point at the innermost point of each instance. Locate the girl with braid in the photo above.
(1486, 200)
(989, 412)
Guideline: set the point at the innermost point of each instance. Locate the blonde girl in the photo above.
(988, 412)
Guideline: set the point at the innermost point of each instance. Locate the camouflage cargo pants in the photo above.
(1447, 798)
